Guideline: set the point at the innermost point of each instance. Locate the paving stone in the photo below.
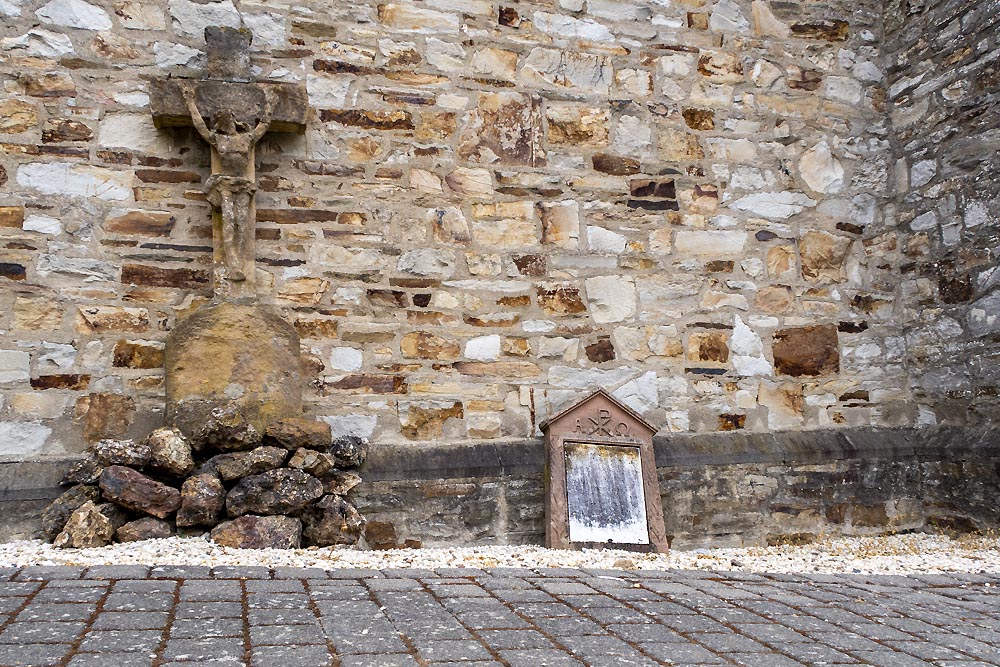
(130, 620)
(195, 628)
(438, 651)
(121, 641)
(111, 660)
(209, 610)
(117, 572)
(537, 657)
(240, 572)
(57, 612)
(68, 594)
(41, 631)
(211, 591)
(277, 601)
(276, 586)
(282, 617)
(286, 635)
(50, 572)
(515, 639)
(33, 655)
(138, 602)
(7, 573)
(291, 656)
(300, 573)
(144, 586)
(202, 650)
(687, 653)
(381, 660)
(181, 572)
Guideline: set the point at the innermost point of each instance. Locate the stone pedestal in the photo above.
(232, 353)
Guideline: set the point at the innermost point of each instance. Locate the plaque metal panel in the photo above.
(604, 494)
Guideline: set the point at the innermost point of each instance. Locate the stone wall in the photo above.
(495, 208)
(944, 85)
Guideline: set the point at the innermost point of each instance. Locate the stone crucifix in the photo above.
(231, 112)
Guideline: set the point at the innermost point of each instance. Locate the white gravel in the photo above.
(898, 554)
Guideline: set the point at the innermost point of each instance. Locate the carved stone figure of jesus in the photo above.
(232, 185)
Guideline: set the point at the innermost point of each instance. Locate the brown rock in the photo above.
(721, 67)
(161, 276)
(203, 498)
(368, 119)
(281, 491)
(170, 452)
(380, 535)
(348, 451)
(17, 116)
(139, 493)
(11, 217)
(810, 351)
(650, 188)
(137, 354)
(54, 517)
(601, 351)
(423, 345)
(315, 463)
(775, 299)
(576, 125)
(699, 119)
(121, 453)
(259, 532)
(293, 433)
(708, 346)
(506, 127)
(560, 299)
(71, 381)
(615, 164)
(242, 464)
(831, 31)
(227, 430)
(65, 129)
(141, 223)
(332, 520)
(101, 319)
(86, 528)
(104, 415)
(147, 528)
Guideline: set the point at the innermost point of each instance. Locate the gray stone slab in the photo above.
(195, 628)
(211, 591)
(286, 635)
(138, 602)
(276, 586)
(291, 656)
(209, 610)
(36, 632)
(450, 650)
(131, 620)
(121, 641)
(380, 660)
(240, 572)
(50, 572)
(300, 573)
(203, 650)
(33, 655)
(515, 639)
(112, 660)
(538, 657)
(57, 612)
(117, 572)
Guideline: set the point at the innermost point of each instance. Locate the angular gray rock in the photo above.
(348, 451)
(86, 528)
(227, 430)
(203, 498)
(237, 465)
(139, 493)
(281, 491)
(332, 520)
(341, 482)
(86, 471)
(147, 528)
(259, 532)
(169, 452)
(122, 453)
(315, 463)
(54, 517)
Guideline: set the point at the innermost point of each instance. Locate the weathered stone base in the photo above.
(718, 490)
(226, 354)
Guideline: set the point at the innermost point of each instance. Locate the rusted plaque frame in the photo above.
(598, 419)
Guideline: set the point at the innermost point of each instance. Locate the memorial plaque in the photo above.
(602, 488)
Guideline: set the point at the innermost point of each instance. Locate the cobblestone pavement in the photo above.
(136, 616)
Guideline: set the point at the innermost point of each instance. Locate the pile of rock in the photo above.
(286, 487)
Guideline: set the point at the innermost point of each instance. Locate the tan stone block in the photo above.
(503, 369)
(515, 347)
(564, 69)
(780, 260)
(775, 299)
(577, 125)
(784, 403)
(495, 64)
(665, 342)
(304, 291)
(424, 345)
(40, 405)
(472, 182)
(721, 67)
(50, 84)
(436, 126)
(428, 181)
(17, 116)
(708, 347)
(11, 217)
(505, 234)
(425, 421)
(37, 314)
(412, 18)
(560, 299)
(143, 223)
(679, 146)
(560, 223)
(823, 256)
(634, 82)
(484, 265)
(520, 210)
(99, 319)
(505, 127)
(316, 327)
(104, 415)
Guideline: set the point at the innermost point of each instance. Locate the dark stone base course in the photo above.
(720, 489)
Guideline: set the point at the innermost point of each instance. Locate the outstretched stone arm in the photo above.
(187, 90)
(270, 101)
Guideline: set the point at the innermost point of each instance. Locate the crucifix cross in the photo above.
(231, 112)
